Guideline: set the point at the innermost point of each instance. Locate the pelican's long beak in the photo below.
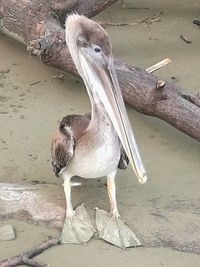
(100, 78)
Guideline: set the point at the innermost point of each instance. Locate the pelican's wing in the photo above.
(70, 130)
(62, 150)
(124, 161)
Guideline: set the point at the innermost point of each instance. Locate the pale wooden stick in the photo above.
(185, 39)
(159, 65)
(151, 17)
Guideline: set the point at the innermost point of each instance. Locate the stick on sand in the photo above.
(159, 65)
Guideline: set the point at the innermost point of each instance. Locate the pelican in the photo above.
(95, 145)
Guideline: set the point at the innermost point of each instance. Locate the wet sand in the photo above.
(32, 102)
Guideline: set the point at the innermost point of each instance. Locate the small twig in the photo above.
(60, 76)
(104, 24)
(159, 65)
(196, 22)
(185, 39)
(25, 258)
(148, 20)
(151, 17)
(31, 84)
(154, 20)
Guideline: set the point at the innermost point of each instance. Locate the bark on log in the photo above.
(40, 24)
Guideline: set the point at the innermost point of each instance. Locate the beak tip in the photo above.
(142, 179)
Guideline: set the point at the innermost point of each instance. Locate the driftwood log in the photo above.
(40, 24)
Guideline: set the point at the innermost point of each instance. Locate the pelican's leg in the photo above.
(78, 226)
(110, 226)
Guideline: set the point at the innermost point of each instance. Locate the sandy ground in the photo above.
(32, 102)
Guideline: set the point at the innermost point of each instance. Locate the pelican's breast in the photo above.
(97, 152)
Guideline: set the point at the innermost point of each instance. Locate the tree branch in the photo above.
(25, 258)
(41, 24)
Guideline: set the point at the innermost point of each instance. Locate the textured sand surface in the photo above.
(31, 104)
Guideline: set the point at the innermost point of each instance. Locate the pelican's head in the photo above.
(84, 36)
(90, 48)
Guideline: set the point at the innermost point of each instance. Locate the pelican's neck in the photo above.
(99, 116)
(97, 108)
(98, 112)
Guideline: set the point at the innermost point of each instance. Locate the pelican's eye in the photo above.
(97, 49)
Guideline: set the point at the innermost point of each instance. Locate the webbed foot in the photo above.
(114, 230)
(78, 228)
